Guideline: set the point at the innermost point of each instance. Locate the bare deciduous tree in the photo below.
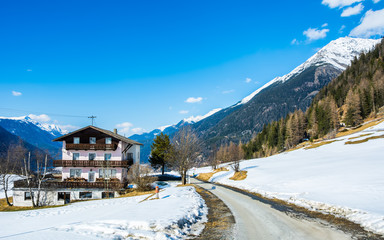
(9, 167)
(185, 152)
(34, 179)
(140, 175)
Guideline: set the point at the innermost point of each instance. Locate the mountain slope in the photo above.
(36, 134)
(276, 98)
(285, 94)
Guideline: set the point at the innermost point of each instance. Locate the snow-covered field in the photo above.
(345, 180)
(179, 211)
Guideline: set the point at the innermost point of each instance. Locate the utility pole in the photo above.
(92, 117)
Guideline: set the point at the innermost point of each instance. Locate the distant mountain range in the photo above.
(272, 101)
(38, 135)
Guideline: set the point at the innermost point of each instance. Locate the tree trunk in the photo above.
(162, 169)
(6, 197)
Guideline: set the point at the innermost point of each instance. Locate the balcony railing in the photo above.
(92, 163)
(65, 184)
(87, 146)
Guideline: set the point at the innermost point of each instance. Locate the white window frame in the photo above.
(76, 140)
(105, 156)
(76, 172)
(73, 156)
(90, 140)
(107, 173)
(89, 156)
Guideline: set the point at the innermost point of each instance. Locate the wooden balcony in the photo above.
(110, 185)
(92, 163)
(87, 146)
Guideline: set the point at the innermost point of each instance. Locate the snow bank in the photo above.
(346, 180)
(10, 186)
(179, 211)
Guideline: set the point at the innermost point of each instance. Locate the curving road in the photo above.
(257, 220)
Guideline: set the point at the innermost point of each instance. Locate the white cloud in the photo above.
(183, 111)
(29, 70)
(228, 91)
(194, 100)
(68, 128)
(376, 1)
(137, 130)
(16, 94)
(371, 24)
(341, 29)
(124, 127)
(324, 25)
(248, 80)
(352, 10)
(295, 42)
(339, 3)
(40, 118)
(314, 33)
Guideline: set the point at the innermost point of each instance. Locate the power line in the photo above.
(51, 114)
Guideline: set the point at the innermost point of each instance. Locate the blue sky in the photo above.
(134, 64)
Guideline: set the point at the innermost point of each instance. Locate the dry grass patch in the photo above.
(358, 129)
(363, 135)
(319, 144)
(135, 192)
(5, 208)
(206, 176)
(364, 140)
(239, 176)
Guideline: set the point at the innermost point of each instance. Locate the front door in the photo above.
(91, 176)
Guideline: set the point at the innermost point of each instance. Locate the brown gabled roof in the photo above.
(112, 134)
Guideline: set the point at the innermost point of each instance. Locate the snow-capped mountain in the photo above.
(274, 99)
(38, 134)
(338, 53)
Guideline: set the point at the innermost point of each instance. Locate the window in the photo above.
(74, 173)
(107, 195)
(92, 156)
(27, 196)
(108, 140)
(76, 140)
(107, 173)
(85, 195)
(130, 156)
(92, 140)
(107, 156)
(76, 156)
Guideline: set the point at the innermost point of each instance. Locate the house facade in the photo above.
(94, 164)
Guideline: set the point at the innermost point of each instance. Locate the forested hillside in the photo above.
(358, 93)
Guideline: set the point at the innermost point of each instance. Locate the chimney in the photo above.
(115, 131)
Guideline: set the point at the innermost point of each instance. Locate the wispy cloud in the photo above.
(376, 1)
(124, 127)
(352, 10)
(68, 128)
(248, 80)
(16, 94)
(194, 100)
(315, 33)
(137, 130)
(40, 118)
(341, 29)
(339, 3)
(29, 70)
(228, 91)
(324, 25)
(183, 111)
(295, 42)
(371, 24)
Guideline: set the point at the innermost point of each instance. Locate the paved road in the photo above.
(257, 220)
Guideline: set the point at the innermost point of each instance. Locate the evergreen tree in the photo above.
(159, 150)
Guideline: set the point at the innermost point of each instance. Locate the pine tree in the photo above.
(159, 150)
